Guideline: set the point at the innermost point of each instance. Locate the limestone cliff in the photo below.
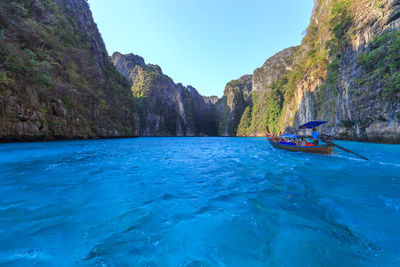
(357, 86)
(166, 108)
(232, 105)
(56, 79)
(346, 71)
(267, 96)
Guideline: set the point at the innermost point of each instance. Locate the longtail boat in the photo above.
(318, 145)
(316, 149)
(296, 143)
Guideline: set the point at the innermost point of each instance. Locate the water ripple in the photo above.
(197, 202)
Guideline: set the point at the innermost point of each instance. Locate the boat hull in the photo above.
(323, 150)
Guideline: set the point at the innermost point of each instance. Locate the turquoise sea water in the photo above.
(197, 202)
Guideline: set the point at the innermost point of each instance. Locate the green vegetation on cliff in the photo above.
(334, 75)
(265, 112)
(234, 102)
(165, 108)
(316, 59)
(245, 123)
(382, 61)
(338, 74)
(146, 77)
(271, 86)
(56, 80)
(156, 114)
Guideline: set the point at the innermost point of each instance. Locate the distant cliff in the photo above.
(232, 105)
(267, 95)
(166, 108)
(56, 79)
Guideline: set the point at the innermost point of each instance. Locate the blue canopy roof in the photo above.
(311, 124)
(289, 136)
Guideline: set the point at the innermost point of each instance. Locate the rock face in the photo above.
(56, 79)
(358, 88)
(266, 95)
(346, 71)
(273, 69)
(232, 105)
(246, 101)
(166, 108)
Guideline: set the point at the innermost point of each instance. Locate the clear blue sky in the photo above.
(203, 43)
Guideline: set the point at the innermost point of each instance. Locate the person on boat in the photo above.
(315, 136)
(325, 138)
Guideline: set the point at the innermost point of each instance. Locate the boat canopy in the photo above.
(289, 136)
(312, 124)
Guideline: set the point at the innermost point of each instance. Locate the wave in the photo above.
(390, 164)
(29, 254)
